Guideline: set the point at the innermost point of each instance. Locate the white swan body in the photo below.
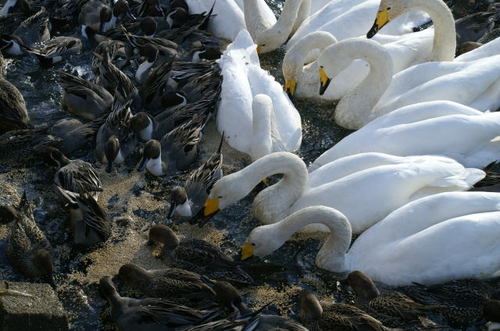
(438, 128)
(353, 18)
(243, 80)
(379, 189)
(442, 237)
(474, 83)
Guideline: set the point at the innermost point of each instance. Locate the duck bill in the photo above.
(171, 211)
(381, 20)
(211, 207)
(246, 251)
(324, 81)
(290, 86)
(143, 163)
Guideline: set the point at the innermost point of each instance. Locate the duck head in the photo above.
(151, 158)
(363, 285)
(310, 308)
(148, 26)
(132, 273)
(228, 296)
(179, 203)
(112, 152)
(163, 234)
(142, 125)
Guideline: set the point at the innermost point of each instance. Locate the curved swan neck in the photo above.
(280, 31)
(296, 55)
(331, 255)
(273, 203)
(262, 143)
(357, 106)
(444, 44)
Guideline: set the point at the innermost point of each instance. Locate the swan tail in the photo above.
(465, 180)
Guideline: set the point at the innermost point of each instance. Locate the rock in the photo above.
(41, 311)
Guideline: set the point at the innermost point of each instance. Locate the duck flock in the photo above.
(152, 94)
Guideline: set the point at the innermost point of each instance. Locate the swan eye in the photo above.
(388, 8)
(219, 197)
(253, 244)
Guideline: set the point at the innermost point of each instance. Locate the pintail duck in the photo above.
(83, 98)
(89, 223)
(143, 126)
(117, 50)
(75, 176)
(188, 200)
(198, 256)
(11, 44)
(177, 150)
(114, 80)
(150, 313)
(16, 6)
(115, 140)
(150, 55)
(35, 28)
(77, 137)
(120, 10)
(168, 283)
(337, 316)
(56, 49)
(388, 306)
(151, 8)
(228, 296)
(28, 249)
(13, 113)
(92, 17)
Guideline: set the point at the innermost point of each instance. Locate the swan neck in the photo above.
(273, 203)
(299, 51)
(332, 253)
(444, 44)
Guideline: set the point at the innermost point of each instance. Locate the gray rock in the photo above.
(41, 311)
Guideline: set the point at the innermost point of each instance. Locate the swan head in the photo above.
(268, 41)
(330, 63)
(388, 10)
(225, 192)
(262, 241)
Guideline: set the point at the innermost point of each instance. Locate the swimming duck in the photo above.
(28, 249)
(393, 304)
(188, 200)
(83, 98)
(115, 140)
(336, 316)
(382, 93)
(56, 49)
(177, 150)
(244, 79)
(149, 313)
(198, 256)
(167, 283)
(73, 175)
(427, 175)
(408, 245)
(89, 223)
(13, 113)
(465, 134)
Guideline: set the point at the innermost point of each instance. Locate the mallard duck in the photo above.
(149, 313)
(28, 249)
(188, 200)
(83, 98)
(198, 256)
(13, 113)
(167, 283)
(393, 304)
(89, 223)
(73, 175)
(336, 316)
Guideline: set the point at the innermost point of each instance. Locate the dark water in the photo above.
(125, 199)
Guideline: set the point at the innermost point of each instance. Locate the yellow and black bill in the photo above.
(211, 207)
(381, 20)
(324, 81)
(246, 251)
(290, 86)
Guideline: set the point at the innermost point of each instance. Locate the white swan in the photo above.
(243, 80)
(379, 190)
(353, 18)
(445, 236)
(474, 83)
(269, 35)
(437, 127)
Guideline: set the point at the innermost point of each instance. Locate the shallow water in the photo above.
(136, 200)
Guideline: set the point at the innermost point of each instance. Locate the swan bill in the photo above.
(290, 86)
(246, 251)
(259, 49)
(381, 20)
(324, 81)
(211, 207)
